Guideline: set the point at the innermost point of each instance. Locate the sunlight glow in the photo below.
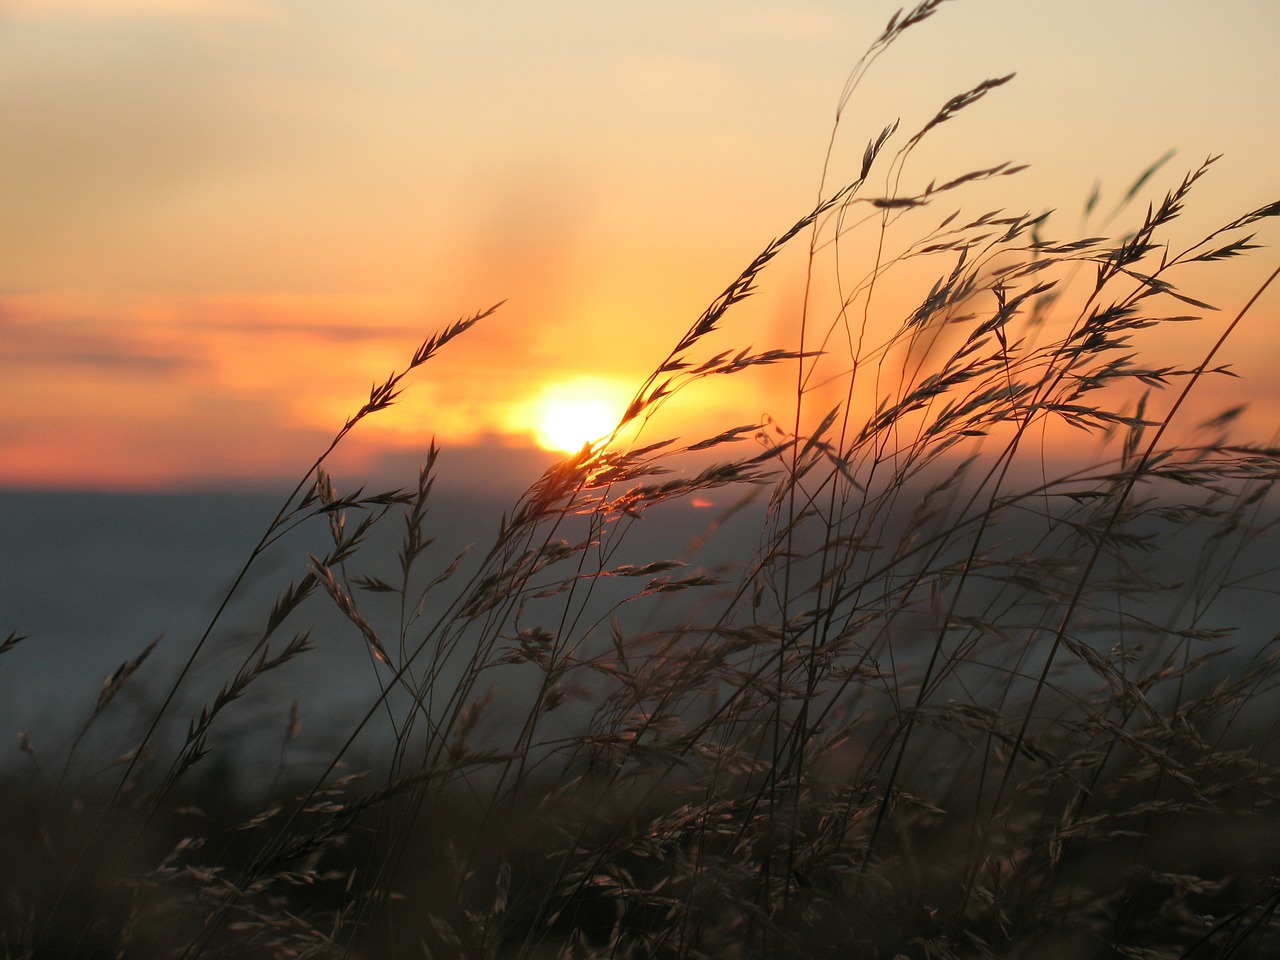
(571, 414)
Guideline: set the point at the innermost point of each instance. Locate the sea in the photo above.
(90, 582)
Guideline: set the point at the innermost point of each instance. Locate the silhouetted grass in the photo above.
(964, 698)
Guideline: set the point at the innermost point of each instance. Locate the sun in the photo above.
(571, 414)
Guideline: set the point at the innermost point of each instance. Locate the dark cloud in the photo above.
(110, 340)
(106, 361)
(319, 330)
(82, 344)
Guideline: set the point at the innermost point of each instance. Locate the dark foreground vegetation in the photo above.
(962, 698)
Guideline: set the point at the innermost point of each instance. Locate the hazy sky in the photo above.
(223, 219)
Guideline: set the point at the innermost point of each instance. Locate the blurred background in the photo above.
(225, 219)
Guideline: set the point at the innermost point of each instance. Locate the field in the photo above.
(969, 652)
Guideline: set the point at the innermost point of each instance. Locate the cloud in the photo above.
(269, 351)
(80, 344)
(107, 360)
(319, 330)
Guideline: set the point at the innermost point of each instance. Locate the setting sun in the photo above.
(568, 415)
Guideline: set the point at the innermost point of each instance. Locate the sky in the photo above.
(225, 219)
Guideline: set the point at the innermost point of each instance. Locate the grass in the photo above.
(964, 699)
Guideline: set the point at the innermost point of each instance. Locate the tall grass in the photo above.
(964, 699)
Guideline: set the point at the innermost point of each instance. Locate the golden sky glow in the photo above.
(571, 413)
(225, 219)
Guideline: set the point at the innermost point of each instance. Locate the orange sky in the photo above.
(224, 219)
